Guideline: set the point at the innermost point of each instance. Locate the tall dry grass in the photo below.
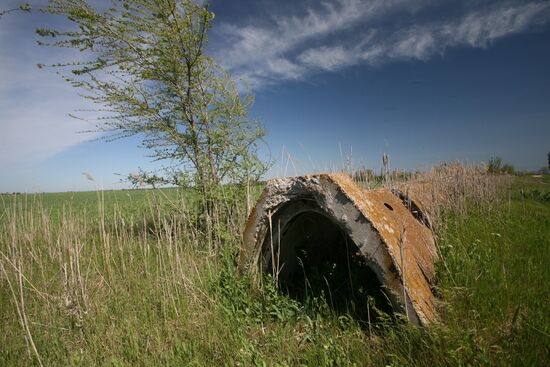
(453, 187)
(68, 275)
(100, 286)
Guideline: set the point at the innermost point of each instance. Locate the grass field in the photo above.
(122, 278)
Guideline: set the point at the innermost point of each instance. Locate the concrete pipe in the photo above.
(300, 222)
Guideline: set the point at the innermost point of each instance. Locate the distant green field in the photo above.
(129, 202)
(83, 283)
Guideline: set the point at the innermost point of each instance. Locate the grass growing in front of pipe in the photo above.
(127, 282)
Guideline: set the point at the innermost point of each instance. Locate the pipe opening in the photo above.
(318, 259)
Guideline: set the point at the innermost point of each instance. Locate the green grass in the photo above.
(495, 286)
(98, 289)
(126, 202)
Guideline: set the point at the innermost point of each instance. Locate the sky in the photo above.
(334, 81)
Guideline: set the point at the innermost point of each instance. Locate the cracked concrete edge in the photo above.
(370, 224)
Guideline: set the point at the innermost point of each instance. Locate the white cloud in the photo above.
(475, 29)
(259, 54)
(34, 104)
(416, 43)
(328, 58)
(284, 68)
(334, 35)
(482, 28)
(350, 32)
(39, 128)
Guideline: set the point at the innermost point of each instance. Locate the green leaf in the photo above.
(25, 7)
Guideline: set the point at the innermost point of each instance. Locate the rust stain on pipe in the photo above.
(394, 240)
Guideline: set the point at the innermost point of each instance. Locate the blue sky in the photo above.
(424, 81)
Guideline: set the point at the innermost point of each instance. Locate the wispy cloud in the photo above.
(34, 104)
(260, 54)
(342, 33)
(39, 129)
(34, 121)
(328, 36)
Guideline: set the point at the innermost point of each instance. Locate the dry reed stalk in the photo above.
(453, 187)
(16, 261)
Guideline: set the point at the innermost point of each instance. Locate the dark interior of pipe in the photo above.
(317, 259)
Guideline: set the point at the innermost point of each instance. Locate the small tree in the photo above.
(548, 156)
(508, 169)
(147, 68)
(495, 165)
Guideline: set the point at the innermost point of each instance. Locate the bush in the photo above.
(496, 166)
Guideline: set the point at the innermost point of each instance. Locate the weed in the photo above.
(123, 278)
